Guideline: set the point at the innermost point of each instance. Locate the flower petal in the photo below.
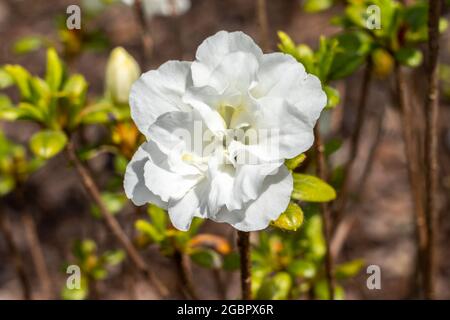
(257, 215)
(134, 183)
(281, 76)
(157, 92)
(211, 52)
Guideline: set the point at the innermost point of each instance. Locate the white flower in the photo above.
(231, 86)
(163, 7)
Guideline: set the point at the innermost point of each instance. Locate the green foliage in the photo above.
(93, 266)
(276, 287)
(291, 219)
(28, 44)
(317, 5)
(294, 163)
(47, 143)
(311, 189)
(113, 201)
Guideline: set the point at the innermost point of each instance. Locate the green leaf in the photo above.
(113, 257)
(48, 143)
(349, 269)
(149, 230)
(302, 269)
(27, 44)
(21, 78)
(312, 6)
(311, 189)
(206, 258)
(293, 163)
(5, 79)
(321, 291)
(82, 249)
(409, 57)
(333, 96)
(231, 261)
(7, 184)
(276, 287)
(75, 89)
(76, 293)
(291, 219)
(158, 217)
(55, 70)
(113, 201)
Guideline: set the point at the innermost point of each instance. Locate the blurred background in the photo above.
(379, 227)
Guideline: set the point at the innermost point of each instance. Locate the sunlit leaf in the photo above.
(293, 163)
(291, 219)
(276, 287)
(349, 269)
(48, 143)
(27, 44)
(55, 70)
(303, 269)
(311, 189)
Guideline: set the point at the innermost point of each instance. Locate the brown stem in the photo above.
(37, 254)
(322, 174)
(243, 242)
(220, 284)
(354, 143)
(184, 270)
(431, 147)
(263, 24)
(146, 37)
(111, 221)
(5, 226)
(413, 165)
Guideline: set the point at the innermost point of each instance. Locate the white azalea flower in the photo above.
(193, 163)
(163, 7)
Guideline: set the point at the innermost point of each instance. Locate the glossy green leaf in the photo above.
(149, 230)
(206, 258)
(333, 96)
(291, 219)
(312, 6)
(409, 57)
(48, 143)
(276, 287)
(27, 44)
(55, 70)
(21, 78)
(302, 269)
(5, 79)
(311, 189)
(349, 269)
(293, 163)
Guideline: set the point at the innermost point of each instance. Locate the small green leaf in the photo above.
(409, 57)
(27, 44)
(149, 230)
(5, 79)
(158, 217)
(80, 293)
(7, 184)
(48, 143)
(302, 269)
(312, 6)
(206, 258)
(333, 96)
(349, 269)
(113, 257)
(114, 202)
(21, 78)
(311, 189)
(321, 291)
(291, 219)
(293, 163)
(231, 261)
(276, 287)
(55, 70)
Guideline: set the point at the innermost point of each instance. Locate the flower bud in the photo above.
(122, 71)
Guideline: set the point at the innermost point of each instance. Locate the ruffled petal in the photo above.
(157, 92)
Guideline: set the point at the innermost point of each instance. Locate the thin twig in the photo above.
(184, 270)
(111, 221)
(322, 174)
(263, 25)
(431, 147)
(341, 203)
(243, 242)
(5, 226)
(220, 284)
(413, 166)
(146, 37)
(37, 254)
